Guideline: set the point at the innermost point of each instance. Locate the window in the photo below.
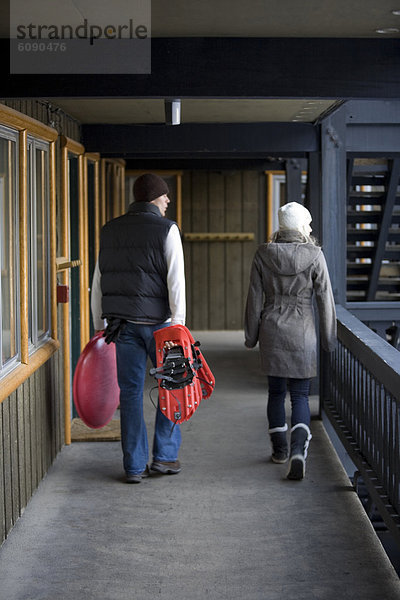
(28, 309)
(39, 242)
(9, 288)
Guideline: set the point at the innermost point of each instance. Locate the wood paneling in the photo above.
(187, 226)
(199, 267)
(30, 432)
(253, 200)
(234, 265)
(217, 272)
(216, 291)
(3, 530)
(5, 413)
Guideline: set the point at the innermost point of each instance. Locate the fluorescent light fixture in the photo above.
(387, 30)
(172, 111)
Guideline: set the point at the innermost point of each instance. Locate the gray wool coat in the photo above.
(279, 311)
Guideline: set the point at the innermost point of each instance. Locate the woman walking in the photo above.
(286, 273)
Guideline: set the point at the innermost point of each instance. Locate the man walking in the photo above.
(139, 287)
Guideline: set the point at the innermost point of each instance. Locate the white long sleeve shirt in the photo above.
(175, 282)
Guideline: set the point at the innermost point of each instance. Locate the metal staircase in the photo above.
(373, 230)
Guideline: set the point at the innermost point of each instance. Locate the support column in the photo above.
(313, 201)
(293, 180)
(333, 200)
(333, 217)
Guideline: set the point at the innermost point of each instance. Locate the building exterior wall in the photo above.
(31, 430)
(32, 417)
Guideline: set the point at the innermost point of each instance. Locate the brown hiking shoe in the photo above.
(137, 478)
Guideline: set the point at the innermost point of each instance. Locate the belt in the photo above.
(288, 300)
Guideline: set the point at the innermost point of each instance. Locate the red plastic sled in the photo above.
(95, 386)
(184, 377)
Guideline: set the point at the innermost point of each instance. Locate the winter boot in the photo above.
(280, 450)
(299, 441)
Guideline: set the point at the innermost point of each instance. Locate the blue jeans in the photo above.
(133, 347)
(299, 390)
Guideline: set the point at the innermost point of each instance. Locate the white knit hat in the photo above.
(294, 216)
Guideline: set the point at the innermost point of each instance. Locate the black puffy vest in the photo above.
(133, 266)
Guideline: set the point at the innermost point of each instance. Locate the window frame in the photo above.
(71, 147)
(9, 134)
(29, 363)
(92, 225)
(37, 340)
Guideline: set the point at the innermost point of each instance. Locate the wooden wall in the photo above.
(217, 272)
(32, 418)
(31, 433)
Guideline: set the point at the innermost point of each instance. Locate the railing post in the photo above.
(323, 380)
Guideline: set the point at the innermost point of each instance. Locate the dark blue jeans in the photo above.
(133, 347)
(299, 391)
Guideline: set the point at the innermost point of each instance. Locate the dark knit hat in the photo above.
(148, 187)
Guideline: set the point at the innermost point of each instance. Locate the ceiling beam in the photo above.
(202, 140)
(376, 139)
(235, 68)
(378, 112)
(207, 164)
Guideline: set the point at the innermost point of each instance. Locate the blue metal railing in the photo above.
(361, 397)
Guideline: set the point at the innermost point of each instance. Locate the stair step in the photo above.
(369, 180)
(356, 269)
(365, 216)
(371, 235)
(381, 296)
(375, 196)
(353, 287)
(385, 297)
(369, 216)
(392, 253)
(363, 235)
(360, 269)
(366, 201)
(387, 285)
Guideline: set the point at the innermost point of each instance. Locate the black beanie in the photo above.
(148, 187)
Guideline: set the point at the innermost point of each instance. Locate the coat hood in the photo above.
(288, 258)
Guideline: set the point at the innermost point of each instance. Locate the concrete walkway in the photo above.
(229, 526)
